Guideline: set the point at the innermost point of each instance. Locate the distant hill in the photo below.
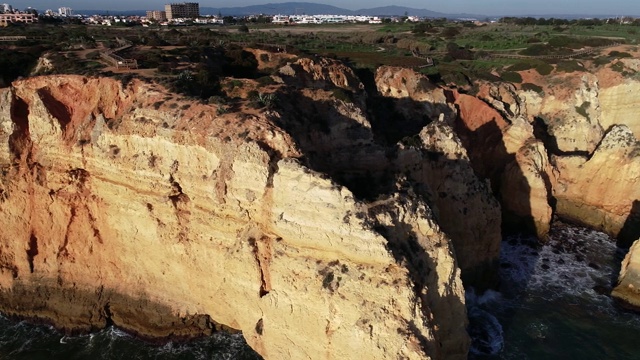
(292, 8)
(394, 10)
(288, 8)
(111, 12)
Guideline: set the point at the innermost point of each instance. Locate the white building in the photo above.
(65, 11)
(6, 8)
(280, 19)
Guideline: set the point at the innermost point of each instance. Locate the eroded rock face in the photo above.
(321, 73)
(466, 209)
(619, 106)
(570, 113)
(627, 292)
(602, 192)
(508, 154)
(132, 206)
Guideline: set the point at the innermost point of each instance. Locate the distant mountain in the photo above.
(292, 8)
(288, 8)
(111, 12)
(394, 10)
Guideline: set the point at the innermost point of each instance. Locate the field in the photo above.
(460, 50)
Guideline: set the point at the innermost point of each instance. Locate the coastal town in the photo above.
(182, 14)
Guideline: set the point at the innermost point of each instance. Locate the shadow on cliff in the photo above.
(364, 160)
(630, 231)
(491, 160)
(153, 322)
(444, 310)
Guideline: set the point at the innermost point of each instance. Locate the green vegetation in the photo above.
(569, 66)
(192, 60)
(511, 76)
(342, 95)
(532, 87)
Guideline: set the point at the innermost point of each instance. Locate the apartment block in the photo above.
(157, 15)
(182, 10)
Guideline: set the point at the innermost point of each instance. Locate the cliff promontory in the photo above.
(129, 205)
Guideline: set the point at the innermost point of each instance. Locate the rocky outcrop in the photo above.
(320, 73)
(602, 191)
(416, 95)
(627, 291)
(436, 159)
(570, 114)
(508, 154)
(130, 206)
(466, 209)
(618, 106)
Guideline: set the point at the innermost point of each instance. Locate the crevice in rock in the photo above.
(260, 327)
(62, 250)
(108, 316)
(180, 202)
(96, 231)
(20, 143)
(32, 251)
(56, 108)
(177, 195)
(262, 254)
(541, 132)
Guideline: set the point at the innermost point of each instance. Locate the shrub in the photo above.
(243, 29)
(537, 50)
(618, 66)
(544, 69)
(564, 41)
(266, 100)
(93, 55)
(265, 81)
(601, 60)
(569, 66)
(620, 54)
(512, 77)
(450, 32)
(521, 66)
(342, 95)
(234, 84)
(532, 87)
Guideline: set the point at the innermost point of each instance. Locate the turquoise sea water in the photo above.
(553, 302)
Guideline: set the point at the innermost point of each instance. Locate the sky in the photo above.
(482, 7)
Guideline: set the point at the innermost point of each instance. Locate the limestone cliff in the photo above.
(128, 205)
(601, 191)
(570, 112)
(502, 150)
(627, 291)
(618, 104)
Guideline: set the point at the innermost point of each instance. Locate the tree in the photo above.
(243, 28)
